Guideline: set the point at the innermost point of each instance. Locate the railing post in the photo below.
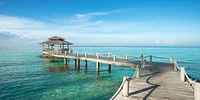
(138, 72)
(86, 55)
(144, 63)
(114, 58)
(76, 54)
(141, 59)
(150, 58)
(196, 91)
(109, 55)
(126, 56)
(126, 86)
(175, 65)
(97, 55)
(182, 74)
(171, 60)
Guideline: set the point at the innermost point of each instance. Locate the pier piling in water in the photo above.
(109, 68)
(79, 64)
(86, 64)
(97, 66)
(75, 63)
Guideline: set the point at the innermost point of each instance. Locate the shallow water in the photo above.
(24, 76)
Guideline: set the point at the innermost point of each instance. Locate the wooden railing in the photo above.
(125, 84)
(183, 77)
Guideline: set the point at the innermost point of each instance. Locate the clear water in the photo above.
(24, 76)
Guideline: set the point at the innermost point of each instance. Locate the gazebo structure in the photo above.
(48, 46)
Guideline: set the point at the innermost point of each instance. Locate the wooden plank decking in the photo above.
(158, 81)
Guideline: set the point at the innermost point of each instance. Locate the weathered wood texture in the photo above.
(158, 81)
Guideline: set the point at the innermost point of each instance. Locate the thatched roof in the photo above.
(56, 38)
(56, 41)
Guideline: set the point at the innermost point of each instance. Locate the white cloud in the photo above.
(169, 42)
(90, 14)
(157, 42)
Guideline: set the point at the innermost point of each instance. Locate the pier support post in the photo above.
(171, 60)
(75, 63)
(126, 86)
(85, 64)
(141, 59)
(175, 65)
(137, 72)
(150, 58)
(182, 74)
(79, 64)
(65, 61)
(97, 66)
(126, 56)
(109, 68)
(196, 91)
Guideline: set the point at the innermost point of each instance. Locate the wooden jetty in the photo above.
(151, 81)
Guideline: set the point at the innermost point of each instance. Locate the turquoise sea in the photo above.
(23, 76)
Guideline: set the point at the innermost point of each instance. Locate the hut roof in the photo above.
(56, 40)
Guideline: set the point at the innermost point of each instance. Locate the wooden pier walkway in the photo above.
(151, 81)
(158, 81)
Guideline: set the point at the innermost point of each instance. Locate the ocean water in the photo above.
(24, 76)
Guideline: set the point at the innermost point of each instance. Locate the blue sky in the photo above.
(105, 22)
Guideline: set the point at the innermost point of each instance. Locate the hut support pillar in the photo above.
(109, 68)
(97, 66)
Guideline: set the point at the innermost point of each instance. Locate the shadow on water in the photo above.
(57, 69)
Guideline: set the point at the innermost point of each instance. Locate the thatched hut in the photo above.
(48, 46)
